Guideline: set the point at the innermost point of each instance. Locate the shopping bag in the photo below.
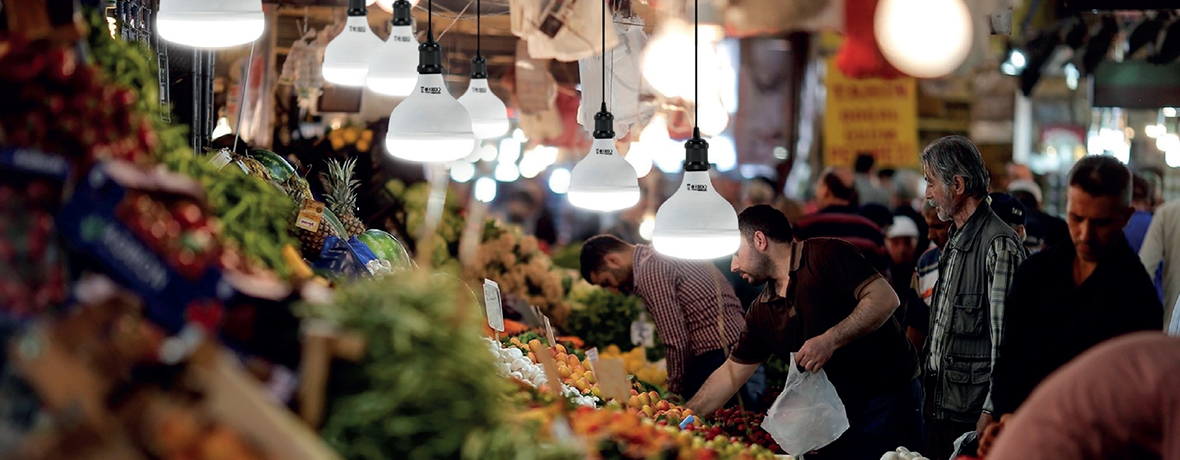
(808, 414)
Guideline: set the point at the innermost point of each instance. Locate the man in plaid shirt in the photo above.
(696, 313)
(967, 315)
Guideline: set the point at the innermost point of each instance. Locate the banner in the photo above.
(871, 115)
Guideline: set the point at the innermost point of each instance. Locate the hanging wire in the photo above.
(478, 33)
(455, 20)
(604, 53)
(696, 66)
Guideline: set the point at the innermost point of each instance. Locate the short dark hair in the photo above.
(956, 156)
(877, 213)
(595, 250)
(886, 173)
(1102, 175)
(838, 188)
(864, 162)
(762, 218)
(1025, 198)
(1141, 189)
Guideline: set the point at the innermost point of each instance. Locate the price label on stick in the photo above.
(612, 379)
(491, 300)
(550, 365)
(549, 333)
(592, 355)
(310, 215)
(643, 333)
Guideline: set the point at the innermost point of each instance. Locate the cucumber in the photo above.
(280, 170)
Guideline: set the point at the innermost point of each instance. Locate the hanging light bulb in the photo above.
(430, 125)
(347, 57)
(696, 222)
(936, 48)
(210, 23)
(604, 181)
(392, 70)
(489, 116)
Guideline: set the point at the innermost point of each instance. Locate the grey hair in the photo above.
(956, 156)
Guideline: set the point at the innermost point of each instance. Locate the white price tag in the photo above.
(221, 159)
(491, 298)
(549, 332)
(643, 333)
(592, 354)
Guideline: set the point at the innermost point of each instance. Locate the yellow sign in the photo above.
(870, 116)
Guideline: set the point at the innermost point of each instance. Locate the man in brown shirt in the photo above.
(824, 302)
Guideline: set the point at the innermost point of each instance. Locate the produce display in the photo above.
(602, 317)
(341, 197)
(516, 262)
(737, 423)
(635, 363)
(32, 265)
(423, 350)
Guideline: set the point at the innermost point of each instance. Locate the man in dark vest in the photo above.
(967, 314)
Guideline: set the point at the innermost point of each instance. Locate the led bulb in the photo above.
(430, 125)
(670, 49)
(347, 57)
(393, 69)
(935, 48)
(210, 23)
(489, 116)
(696, 222)
(603, 181)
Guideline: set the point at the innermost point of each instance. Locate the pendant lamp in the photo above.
(696, 222)
(393, 70)
(489, 116)
(430, 125)
(603, 181)
(210, 23)
(347, 57)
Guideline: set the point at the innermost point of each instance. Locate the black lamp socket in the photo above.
(479, 67)
(402, 15)
(357, 8)
(696, 153)
(604, 124)
(430, 56)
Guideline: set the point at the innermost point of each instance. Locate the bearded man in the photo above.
(967, 316)
(827, 305)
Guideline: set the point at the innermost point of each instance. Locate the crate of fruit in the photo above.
(149, 231)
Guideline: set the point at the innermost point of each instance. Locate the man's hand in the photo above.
(816, 352)
(985, 419)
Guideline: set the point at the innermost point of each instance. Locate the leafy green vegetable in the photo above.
(601, 317)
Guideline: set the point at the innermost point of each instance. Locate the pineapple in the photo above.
(310, 243)
(341, 194)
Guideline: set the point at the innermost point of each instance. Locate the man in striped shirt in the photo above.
(696, 313)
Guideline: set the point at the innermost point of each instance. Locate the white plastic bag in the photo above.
(807, 415)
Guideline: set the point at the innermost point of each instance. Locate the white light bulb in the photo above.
(507, 172)
(488, 153)
(347, 57)
(518, 134)
(462, 171)
(1168, 142)
(210, 23)
(935, 48)
(603, 181)
(485, 189)
(1018, 59)
(559, 181)
(430, 125)
(696, 222)
(1169, 111)
(393, 69)
(489, 116)
(1172, 158)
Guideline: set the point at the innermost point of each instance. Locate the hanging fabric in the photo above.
(623, 84)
